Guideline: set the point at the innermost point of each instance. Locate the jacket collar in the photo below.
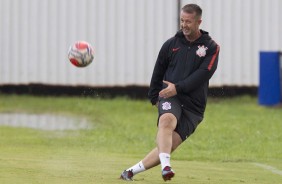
(203, 38)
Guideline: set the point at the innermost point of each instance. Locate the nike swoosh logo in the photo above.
(175, 49)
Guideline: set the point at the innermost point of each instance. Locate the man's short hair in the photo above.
(193, 8)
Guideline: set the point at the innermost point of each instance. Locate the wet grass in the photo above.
(235, 134)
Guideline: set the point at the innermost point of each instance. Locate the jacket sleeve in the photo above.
(202, 74)
(161, 65)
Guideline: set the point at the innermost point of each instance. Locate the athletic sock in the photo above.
(137, 168)
(164, 159)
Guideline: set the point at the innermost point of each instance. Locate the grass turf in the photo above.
(235, 134)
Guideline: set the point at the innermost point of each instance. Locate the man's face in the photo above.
(189, 24)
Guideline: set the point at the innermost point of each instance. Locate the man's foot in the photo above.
(127, 175)
(167, 173)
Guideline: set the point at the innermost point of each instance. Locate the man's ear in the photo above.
(200, 21)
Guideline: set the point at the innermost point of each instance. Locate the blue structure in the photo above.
(270, 79)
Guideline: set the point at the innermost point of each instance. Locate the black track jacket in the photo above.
(189, 66)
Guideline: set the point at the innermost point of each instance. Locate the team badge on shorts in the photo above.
(166, 105)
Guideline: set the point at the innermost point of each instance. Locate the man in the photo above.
(179, 88)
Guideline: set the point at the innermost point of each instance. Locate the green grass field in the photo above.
(238, 142)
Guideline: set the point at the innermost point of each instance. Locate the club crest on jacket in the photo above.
(201, 52)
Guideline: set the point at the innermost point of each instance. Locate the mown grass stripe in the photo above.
(270, 168)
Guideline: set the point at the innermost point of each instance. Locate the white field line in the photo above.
(269, 168)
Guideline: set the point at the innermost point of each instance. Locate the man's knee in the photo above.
(167, 120)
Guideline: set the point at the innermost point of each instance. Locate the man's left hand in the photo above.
(169, 91)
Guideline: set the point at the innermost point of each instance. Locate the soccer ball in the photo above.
(81, 54)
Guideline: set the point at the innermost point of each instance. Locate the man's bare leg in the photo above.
(167, 140)
(152, 159)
